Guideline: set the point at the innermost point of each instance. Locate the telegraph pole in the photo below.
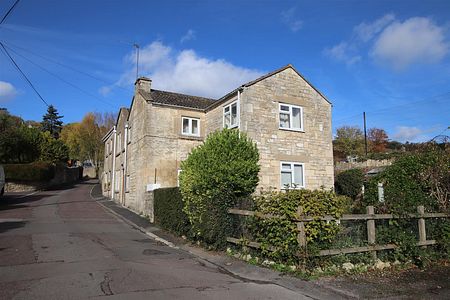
(365, 132)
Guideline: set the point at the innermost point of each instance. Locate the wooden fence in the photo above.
(369, 217)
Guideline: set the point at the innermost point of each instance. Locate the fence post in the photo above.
(421, 223)
(371, 230)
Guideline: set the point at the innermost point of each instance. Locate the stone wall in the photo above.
(370, 163)
(63, 175)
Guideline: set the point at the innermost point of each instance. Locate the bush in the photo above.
(169, 211)
(216, 174)
(349, 183)
(37, 171)
(280, 232)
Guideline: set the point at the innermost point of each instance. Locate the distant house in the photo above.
(288, 118)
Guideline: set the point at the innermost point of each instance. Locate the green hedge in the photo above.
(36, 171)
(169, 211)
(349, 183)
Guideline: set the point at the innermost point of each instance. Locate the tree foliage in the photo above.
(349, 183)
(51, 122)
(378, 140)
(349, 141)
(84, 139)
(214, 176)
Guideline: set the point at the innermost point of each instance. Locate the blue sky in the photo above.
(388, 58)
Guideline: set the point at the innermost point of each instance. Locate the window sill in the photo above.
(291, 129)
(191, 137)
(232, 127)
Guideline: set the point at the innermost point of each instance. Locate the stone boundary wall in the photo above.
(370, 163)
(62, 176)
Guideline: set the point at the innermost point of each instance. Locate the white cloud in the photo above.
(289, 19)
(416, 40)
(410, 134)
(7, 91)
(393, 43)
(343, 52)
(366, 31)
(185, 71)
(190, 35)
(105, 90)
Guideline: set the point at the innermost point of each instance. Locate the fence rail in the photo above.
(369, 217)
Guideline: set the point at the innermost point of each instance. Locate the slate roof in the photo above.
(175, 99)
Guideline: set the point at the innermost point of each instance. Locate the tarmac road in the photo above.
(62, 244)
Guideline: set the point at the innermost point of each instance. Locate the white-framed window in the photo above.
(127, 183)
(117, 182)
(291, 117)
(190, 126)
(231, 115)
(292, 175)
(128, 135)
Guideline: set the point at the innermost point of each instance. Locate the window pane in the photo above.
(286, 166)
(195, 127)
(284, 107)
(295, 117)
(227, 120)
(234, 114)
(227, 109)
(298, 174)
(284, 120)
(186, 126)
(286, 179)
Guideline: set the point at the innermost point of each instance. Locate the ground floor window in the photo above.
(292, 175)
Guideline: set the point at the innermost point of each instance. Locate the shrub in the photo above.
(412, 180)
(217, 173)
(349, 183)
(169, 211)
(280, 232)
(37, 171)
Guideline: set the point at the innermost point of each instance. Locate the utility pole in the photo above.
(137, 59)
(365, 132)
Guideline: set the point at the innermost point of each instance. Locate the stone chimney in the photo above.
(143, 84)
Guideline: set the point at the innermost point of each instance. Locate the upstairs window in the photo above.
(129, 135)
(230, 115)
(291, 117)
(190, 126)
(292, 175)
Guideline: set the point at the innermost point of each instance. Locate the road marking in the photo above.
(30, 194)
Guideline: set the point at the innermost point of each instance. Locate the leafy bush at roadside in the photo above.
(217, 173)
(36, 171)
(280, 232)
(169, 211)
(349, 183)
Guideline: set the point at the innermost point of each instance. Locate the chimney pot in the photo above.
(143, 84)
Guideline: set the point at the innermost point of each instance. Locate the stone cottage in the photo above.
(287, 117)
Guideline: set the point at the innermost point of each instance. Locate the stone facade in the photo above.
(145, 148)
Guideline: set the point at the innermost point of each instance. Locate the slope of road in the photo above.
(62, 244)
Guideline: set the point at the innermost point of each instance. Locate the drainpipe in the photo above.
(125, 163)
(113, 190)
(239, 108)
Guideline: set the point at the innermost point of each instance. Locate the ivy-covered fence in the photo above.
(369, 218)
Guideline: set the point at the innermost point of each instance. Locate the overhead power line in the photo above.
(22, 73)
(14, 46)
(9, 12)
(61, 79)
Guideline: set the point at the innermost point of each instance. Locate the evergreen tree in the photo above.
(51, 122)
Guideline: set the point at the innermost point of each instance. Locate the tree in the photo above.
(349, 141)
(378, 140)
(53, 150)
(214, 176)
(51, 122)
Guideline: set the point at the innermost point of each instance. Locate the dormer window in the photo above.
(291, 117)
(190, 126)
(230, 115)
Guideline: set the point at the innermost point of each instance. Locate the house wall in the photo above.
(313, 147)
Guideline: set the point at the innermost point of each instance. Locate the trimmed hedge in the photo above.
(36, 171)
(169, 211)
(349, 183)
